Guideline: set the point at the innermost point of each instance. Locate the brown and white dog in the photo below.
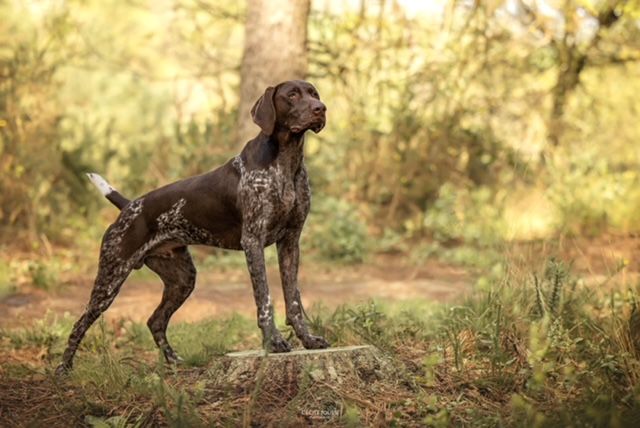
(258, 198)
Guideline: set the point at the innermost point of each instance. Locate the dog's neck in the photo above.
(290, 150)
(283, 149)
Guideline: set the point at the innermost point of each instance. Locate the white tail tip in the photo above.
(102, 185)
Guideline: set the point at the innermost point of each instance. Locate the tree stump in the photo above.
(362, 363)
(311, 385)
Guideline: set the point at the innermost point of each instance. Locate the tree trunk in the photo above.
(274, 51)
(572, 61)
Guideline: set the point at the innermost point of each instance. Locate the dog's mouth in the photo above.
(315, 125)
(318, 126)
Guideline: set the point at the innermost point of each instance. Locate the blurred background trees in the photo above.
(454, 121)
(275, 38)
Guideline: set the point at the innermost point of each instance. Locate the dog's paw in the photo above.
(62, 370)
(314, 342)
(278, 345)
(172, 358)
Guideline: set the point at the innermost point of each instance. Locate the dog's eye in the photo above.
(292, 95)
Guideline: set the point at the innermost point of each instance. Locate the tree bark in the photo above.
(274, 51)
(571, 62)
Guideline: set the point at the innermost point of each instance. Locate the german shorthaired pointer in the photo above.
(258, 198)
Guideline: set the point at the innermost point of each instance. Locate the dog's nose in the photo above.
(319, 109)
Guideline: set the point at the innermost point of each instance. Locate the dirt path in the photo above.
(386, 278)
(218, 294)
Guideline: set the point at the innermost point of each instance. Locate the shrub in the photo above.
(473, 216)
(590, 196)
(336, 232)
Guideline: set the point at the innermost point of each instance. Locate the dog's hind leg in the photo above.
(178, 274)
(111, 274)
(120, 252)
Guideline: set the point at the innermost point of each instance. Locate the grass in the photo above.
(534, 347)
(6, 284)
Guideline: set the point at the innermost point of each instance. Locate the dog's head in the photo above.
(293, 105)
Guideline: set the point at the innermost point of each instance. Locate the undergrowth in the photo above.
(532, 348)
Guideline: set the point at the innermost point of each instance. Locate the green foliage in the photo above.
(49, 332)
(178, 406)
(40, 271)
(466, 227)
(335, 231)
(198, 343)
(118, 121)
(42, 276)
(32, 159)
(397, 137)
(431, 121)
(591, 196)
(367, 321)
(470, 216)
(351, 417)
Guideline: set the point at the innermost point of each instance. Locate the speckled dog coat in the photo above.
(258, 198)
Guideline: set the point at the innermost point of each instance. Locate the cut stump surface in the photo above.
(355, 364)
(311, 385)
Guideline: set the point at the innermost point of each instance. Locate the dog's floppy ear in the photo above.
(263, 112)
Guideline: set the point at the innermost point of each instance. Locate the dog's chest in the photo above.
(267, 195)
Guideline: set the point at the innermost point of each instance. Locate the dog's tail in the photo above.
(107, 191)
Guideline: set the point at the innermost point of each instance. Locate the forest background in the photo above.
(468, 123)
(475, 215)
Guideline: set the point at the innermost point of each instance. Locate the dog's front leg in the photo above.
(289, 259)
(254, 251)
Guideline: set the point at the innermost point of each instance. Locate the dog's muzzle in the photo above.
(317, 127)
(316, 124)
